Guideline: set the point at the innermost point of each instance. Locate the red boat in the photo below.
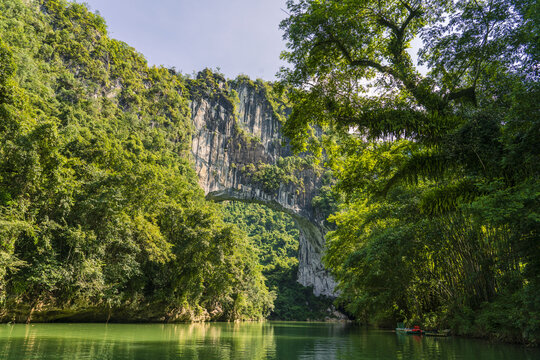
(411, 331)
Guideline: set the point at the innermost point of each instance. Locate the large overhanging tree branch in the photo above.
(333, 43)
(401, 68)
(375, 35)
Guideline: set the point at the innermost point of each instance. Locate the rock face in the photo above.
(240, 154)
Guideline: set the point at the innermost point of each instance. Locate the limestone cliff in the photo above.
(240, 154)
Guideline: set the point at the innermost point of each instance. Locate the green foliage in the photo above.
(99, 205)
(273, 233)
(439, 171)
(210, 85)
(274, 93)
(268, 176)
(286, 171)
(328, 199)
(275, 237)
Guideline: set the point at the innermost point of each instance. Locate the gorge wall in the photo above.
(240, 154)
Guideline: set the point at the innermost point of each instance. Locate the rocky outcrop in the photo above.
(240, 154)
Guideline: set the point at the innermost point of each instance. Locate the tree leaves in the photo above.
(100, 205)
(438, 169)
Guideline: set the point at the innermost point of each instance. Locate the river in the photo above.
(268, 340)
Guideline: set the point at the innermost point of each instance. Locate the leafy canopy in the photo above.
(435, 161)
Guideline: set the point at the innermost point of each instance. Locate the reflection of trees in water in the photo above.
(57, 341)
(257, 341)
(226, 341)
(319, 341)
(67, 341)
(98, 341)
(236, 341)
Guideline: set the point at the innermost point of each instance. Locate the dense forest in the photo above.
(432, 188)
(102, 218)
(101, 214)
(438, 158)
(275, 237)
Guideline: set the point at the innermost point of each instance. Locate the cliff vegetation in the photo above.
(275, 236)
(101, 216)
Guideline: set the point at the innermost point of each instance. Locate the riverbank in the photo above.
(147, 313)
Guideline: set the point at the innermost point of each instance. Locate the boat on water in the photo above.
(417, 331)
(410, 331)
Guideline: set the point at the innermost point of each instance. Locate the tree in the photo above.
(101, 216)
(458, 138)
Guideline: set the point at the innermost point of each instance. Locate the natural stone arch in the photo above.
(311, 272)
(231, 138)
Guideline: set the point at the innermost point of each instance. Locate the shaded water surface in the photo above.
(270, 340)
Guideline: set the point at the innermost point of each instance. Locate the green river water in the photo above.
(268, 340)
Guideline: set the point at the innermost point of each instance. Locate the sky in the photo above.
(236, 36)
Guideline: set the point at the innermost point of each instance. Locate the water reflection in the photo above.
(275, 340)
